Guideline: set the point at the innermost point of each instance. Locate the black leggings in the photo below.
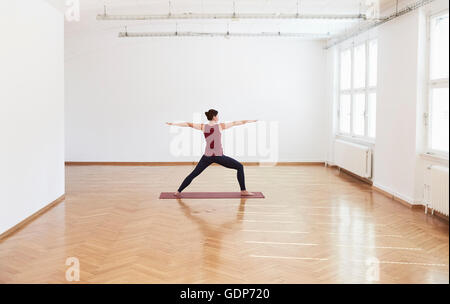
(225, 161)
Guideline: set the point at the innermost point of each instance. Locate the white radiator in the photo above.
(438, 189)
(353, 157)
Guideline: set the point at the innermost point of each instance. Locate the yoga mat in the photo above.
(171, 195)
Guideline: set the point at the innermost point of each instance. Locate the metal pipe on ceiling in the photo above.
(398, 13)
(108, 17)
(218, 34)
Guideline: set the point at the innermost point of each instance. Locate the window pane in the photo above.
(439, 47)
(439, 119)
(359, 107)
(359, 68)
(344, 111)
(373, 53)
(346, 69)
(372, 115)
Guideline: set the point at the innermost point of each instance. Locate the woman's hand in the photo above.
(169, 123)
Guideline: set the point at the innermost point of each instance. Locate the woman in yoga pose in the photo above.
(214, 152)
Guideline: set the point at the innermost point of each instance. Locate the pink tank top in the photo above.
(213, 140)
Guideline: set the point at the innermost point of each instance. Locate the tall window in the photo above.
(357, 90)
(438, 121)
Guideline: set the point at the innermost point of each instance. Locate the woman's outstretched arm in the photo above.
(228, 125)
(196, 126)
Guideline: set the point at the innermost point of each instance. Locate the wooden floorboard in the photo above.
(314, 226)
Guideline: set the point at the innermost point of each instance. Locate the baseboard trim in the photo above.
(439, 215)
(361, 179)
(72, 163)
(31, 218)
(398, 199)
(96, 163)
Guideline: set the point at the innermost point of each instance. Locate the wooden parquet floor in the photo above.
(315, 226)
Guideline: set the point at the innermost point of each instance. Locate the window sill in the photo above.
(435, 158)
(356, 140)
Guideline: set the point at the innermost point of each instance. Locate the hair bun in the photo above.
(211, 113)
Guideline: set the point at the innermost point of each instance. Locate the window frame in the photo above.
(366, 90)
(430, 85)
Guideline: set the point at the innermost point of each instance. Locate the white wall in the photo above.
(119, 93)
(402, 101)
(424, 161)
(31, 108)
(395, 148)
(332, 66)
(400, 136)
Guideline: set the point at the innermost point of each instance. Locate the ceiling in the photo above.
(324, 28)
(161, 6)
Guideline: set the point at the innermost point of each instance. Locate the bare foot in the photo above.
(246, 193)
(177, 193)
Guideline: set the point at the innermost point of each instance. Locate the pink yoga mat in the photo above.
(171, 195)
